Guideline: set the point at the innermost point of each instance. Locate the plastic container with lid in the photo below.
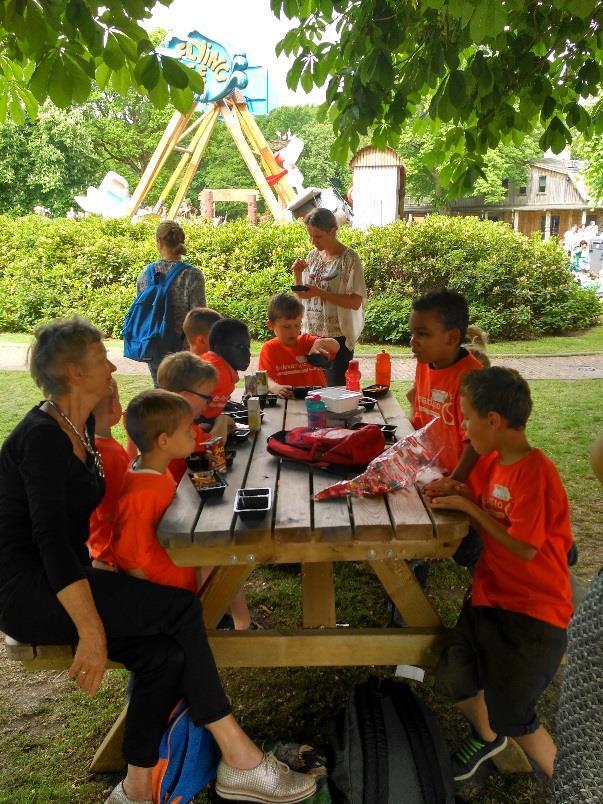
(340, 400)
(353, 376)
(383, 369)
(317, 412)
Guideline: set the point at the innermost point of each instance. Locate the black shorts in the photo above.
(511, 656)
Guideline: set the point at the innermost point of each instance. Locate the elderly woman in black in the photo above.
(51, 479)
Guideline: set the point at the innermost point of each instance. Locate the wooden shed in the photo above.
(378, 180)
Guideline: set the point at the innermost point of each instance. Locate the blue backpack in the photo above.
(188, 760)
(145, 331)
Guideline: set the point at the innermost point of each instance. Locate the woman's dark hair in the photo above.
(322, 219)
(57, 343)
(172, 234)
(499, 390)
(449, 306)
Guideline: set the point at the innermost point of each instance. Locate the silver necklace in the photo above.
(83, 439)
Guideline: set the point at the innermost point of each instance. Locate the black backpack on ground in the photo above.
(388, 749)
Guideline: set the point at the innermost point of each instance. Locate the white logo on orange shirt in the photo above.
(501, 493)
(439, 396)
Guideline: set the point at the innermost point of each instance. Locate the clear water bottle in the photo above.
(317, 412)
(353, 376)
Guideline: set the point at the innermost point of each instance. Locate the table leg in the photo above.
(221, 589)
(406, 593)
(109, 756)
(318, 595)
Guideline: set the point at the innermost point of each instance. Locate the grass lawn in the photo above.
(49, 731)
(588, 341)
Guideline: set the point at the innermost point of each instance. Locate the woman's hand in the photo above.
(299, 265)
(312, 291)
(89, 663)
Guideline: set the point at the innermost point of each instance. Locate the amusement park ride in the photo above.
(275, 174)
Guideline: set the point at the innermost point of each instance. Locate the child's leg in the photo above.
(240, 612)
(540, 747)
(476, 712)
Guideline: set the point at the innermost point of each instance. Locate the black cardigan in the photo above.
(46, 497)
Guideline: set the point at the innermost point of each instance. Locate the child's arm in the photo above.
(410, 395)
(223, 425)
(458, 502)
(467, 461)
(282, 391)
(324, 346)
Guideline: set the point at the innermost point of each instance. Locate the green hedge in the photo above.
(516, 287)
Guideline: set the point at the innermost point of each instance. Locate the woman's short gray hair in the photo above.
(60, 341)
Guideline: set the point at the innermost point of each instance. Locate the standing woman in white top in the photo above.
(336, 291)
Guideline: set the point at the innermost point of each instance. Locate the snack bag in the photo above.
(397, 467)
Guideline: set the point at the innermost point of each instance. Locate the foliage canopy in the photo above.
(492, 70)
(57, 48)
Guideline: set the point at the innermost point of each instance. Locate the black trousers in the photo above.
(155, 631)
(339, 365)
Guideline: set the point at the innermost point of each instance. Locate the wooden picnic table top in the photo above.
(297, 529)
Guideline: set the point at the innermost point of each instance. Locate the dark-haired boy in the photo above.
(229, 352)
(285, 357)
(438, 325)
(511, 633)
(160, 423)
(197, 325)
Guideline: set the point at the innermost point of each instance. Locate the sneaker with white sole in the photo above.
(118, 796)
(473, 753)
(270, 782)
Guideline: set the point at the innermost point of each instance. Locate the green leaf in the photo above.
(59, 85)
(39, 81)
(113, 54)
(480, 22)
(295, 72)
(102, 75)
(16, 110)
(456, 88)
(147, 72)
(121, 81)
(127, 46)
(28, 100)
(3, 101)
(80, 82)
(172, 72)
(182, 99)
(36, 28)
(159, 95)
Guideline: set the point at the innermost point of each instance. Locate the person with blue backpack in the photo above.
(166, 290)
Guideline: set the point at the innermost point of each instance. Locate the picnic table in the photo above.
(385, 531)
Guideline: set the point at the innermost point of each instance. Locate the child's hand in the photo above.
(317, 349)
(454, 502)
(282, 391)
(445, 486)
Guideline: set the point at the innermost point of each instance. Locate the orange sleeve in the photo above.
(527, 513)
(266, 360)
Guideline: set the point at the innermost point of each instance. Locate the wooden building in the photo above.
(378, 181)
(554, 198)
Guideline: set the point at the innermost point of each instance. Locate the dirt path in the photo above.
(549, 367)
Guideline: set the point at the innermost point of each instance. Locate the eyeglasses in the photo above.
(207, 397)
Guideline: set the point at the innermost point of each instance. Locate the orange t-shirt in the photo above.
(528, 499)
(142, 502)
(227, 379)
(288, 365)
(177, 467)
(115, 463)
(437, 393)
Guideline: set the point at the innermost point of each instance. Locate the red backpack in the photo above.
(331, 448)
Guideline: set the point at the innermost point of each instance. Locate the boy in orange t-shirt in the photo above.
(511, 634)
(197, 324)
(229, 352)
(160, 423)
(438, 325)
(115, 464)
(285, 357)
(193, 379)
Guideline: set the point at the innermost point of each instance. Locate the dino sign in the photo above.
(221, 72)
